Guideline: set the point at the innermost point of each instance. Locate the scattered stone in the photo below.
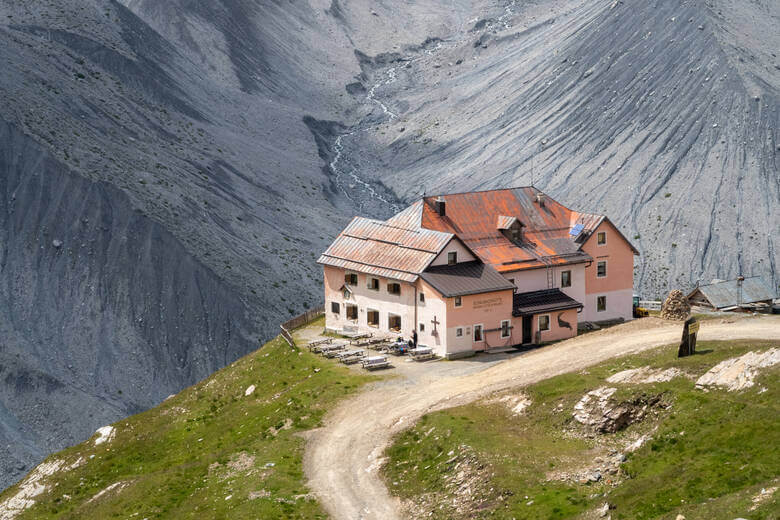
(254, 495)
(515, 403)
(645, 375)
(676, 306)
(249, 391)
(601, 414)
(57, 243)
(680, 517)
(739, 373)
(764, 495)
(603, 510)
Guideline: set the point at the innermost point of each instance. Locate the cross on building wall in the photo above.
(435, 322)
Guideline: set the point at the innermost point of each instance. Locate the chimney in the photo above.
(440, 206)
(540, 199)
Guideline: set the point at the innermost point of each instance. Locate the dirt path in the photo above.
(342, 458)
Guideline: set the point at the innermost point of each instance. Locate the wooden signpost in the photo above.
(688, 343)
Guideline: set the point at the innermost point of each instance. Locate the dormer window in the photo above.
(511, 228)
(452, 258)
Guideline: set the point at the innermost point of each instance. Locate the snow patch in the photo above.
(105, 434)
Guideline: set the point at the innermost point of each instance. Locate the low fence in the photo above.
(302, 319)
(651, 305)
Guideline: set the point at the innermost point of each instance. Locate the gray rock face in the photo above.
(104, 323)
(162, 199)
(171, 170)
(624, 108)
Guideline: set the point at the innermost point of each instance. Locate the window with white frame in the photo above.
(601, 303)
(505, 329)
(458, 301)
(335, 307)
(478, 336)
(565, 278)
(544, 322)
(601, 269)
(352, 312)
(452, 258)
(459, 332)
(601, 238)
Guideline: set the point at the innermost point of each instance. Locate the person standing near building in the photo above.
(414, 338)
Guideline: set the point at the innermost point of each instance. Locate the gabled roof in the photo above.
(465, 278)
(385, 249)
(474, 217)
(727, 294)
(546, 300)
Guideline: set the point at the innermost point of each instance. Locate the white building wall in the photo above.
(619, 305)
(464, 255)
(365, 298)
(434, 307)
(536, 280)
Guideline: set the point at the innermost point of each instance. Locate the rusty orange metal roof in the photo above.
(476, 218)
(385, 248)
(404, 245)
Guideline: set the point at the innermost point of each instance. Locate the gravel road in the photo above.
(343, 458)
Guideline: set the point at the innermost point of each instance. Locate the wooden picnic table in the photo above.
(375, 362)
(421, 353)
(325, 350)
(314, 344)
(349, 353)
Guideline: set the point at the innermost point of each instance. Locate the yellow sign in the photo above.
(693, 328)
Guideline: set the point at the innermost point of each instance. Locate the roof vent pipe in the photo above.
(540, 198)
(441, 207)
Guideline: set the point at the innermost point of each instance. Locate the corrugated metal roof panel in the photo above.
(368, 269)
(476, 218)
(465, 278)
(376, 247)
(726, 294)
(546, 300)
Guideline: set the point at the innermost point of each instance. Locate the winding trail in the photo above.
(343, 458)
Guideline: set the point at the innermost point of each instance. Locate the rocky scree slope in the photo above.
(663, 115)
(162, 198)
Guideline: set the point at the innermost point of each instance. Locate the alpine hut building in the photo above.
(478, 270)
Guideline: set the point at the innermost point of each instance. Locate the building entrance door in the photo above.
(527, 321)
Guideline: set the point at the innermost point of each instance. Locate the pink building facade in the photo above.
(510, 279)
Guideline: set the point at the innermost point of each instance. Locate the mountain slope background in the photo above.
(170, 170)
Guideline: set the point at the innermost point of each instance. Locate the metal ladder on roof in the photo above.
(550, 273)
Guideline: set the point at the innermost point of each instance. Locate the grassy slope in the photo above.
(177, 457)
(711, 453)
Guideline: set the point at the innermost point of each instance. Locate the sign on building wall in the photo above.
(488, 303)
